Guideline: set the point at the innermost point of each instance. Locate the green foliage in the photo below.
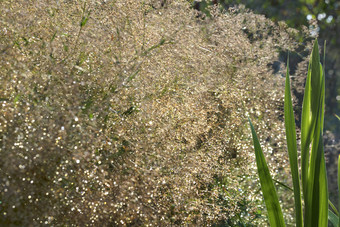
(314, 179)
(292, 149)
(269, 193)
(313, 167)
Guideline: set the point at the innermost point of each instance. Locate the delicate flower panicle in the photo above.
(135, 113)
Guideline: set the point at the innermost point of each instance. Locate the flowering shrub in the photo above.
(135, 113)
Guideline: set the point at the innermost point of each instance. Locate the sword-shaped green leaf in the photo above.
(292, 150)
(269, 193)
(306, 133)
(314, 178)
(333, 218)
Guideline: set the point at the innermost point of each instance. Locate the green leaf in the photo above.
(17, 98)
(269, 193)
(283, 185)
(161, 43)
(53, 37)
(290, 189)
(333, 207)
(318, 178)
(333, 218)
(337, 117)
(306, 132)
(292, 149)
(83, 21)
(84, 18)
(132, 76)
(314, 178)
